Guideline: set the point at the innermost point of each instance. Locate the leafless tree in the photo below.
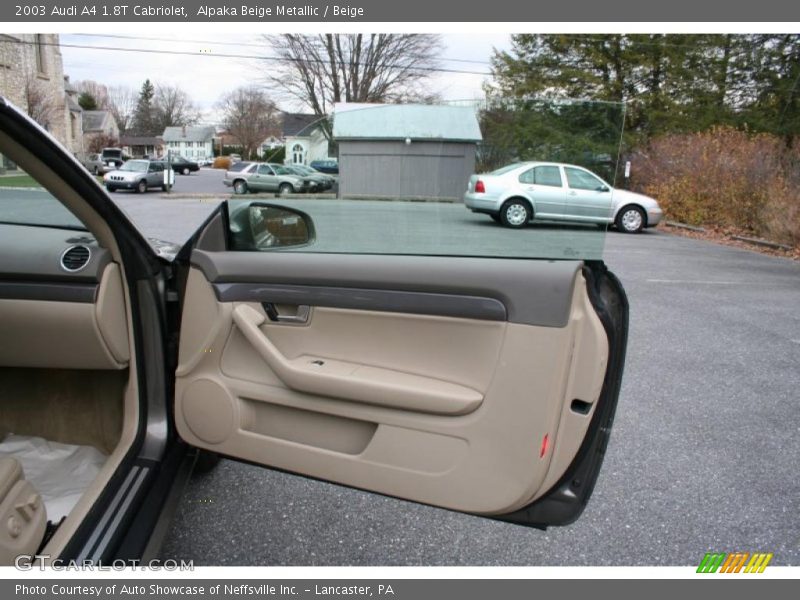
(121, 103)
(100, 141)
(96, 90)
(320, 70)
(40, 104)
(249, 115)
(173, 106)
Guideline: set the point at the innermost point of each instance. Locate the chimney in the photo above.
(183, 131)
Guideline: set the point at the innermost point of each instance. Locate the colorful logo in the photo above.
(736, 562)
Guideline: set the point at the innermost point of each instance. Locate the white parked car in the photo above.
(519, 193)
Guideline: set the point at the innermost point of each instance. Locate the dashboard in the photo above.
(62, 302)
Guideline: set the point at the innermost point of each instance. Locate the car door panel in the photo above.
(548, 199)
(587, 204)
(458, 411)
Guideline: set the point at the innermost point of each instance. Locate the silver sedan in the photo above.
(522, 192)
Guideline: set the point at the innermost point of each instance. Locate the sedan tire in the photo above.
(141, 187)
(285, 189)
(630, 219)
(240, 187)
(515, 213)
(185, 171)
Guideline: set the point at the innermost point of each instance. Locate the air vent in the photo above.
(75, 258)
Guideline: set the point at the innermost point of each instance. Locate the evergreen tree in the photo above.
(144, 117)
(87, 102)
(670, 83)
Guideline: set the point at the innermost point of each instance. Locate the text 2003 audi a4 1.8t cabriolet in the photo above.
(476, 384)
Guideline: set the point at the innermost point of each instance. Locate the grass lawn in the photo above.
(18, 181)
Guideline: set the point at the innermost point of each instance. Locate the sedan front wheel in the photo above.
(630, 219)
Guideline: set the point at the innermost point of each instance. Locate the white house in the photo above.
(191, 142)
(304, 138)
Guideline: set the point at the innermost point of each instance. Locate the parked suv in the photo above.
(237, 175)
(113, 157)
(137, 175)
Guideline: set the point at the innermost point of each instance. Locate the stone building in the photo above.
(32, 77)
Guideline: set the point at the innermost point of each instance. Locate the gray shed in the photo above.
(405, 150)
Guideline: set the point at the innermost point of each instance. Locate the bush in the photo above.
(726, 178)
(222, 162)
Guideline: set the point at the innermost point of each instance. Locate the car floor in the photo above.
(61, 425)
(61, 473)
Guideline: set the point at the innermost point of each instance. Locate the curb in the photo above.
(684, 226)
(760, 242)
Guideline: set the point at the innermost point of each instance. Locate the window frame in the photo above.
(598, 188)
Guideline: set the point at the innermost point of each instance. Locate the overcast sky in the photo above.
(205, 75)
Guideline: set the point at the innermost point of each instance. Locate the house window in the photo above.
(189, 144)
(41, 64)
(298, 154)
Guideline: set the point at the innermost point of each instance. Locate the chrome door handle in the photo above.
(301, 316)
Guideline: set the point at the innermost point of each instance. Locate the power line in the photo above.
(234, 44)
(240, 56)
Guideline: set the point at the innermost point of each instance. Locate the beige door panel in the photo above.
(355, 381)
(243, 390)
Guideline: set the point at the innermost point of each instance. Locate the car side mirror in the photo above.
(256, 226)
(603, 188)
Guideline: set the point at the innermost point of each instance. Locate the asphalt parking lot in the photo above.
(703, 454)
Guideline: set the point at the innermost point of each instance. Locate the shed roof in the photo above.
(199, 133)
(401, 121)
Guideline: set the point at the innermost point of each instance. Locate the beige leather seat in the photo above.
(22, 513)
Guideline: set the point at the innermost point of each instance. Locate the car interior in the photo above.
(461, 382)
(68, 400)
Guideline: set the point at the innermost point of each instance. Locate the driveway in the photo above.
(703, 454)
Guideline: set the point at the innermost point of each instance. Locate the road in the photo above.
(703, 453)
